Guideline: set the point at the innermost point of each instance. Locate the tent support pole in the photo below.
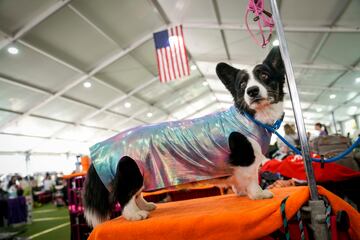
(317, 206)
(334, 121)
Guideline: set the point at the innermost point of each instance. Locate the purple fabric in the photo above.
(16, 210)
(323, 133)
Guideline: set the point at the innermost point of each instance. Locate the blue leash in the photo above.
(277, 124)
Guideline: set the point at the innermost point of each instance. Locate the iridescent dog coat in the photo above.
(178, 152)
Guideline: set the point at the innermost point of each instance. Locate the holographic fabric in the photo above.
(177, 152)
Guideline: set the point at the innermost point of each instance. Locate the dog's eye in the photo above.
(242, 85)
(263, 76)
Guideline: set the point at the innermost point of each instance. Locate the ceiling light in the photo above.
(319, 109)
(332, 96)
(13, 50)
(127, 105)
(193, 67)
(149, 114)
(276, 43)
(87, 84)
(357, 80)
(205, 83)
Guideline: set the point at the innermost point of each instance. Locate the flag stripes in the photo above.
(171, 55)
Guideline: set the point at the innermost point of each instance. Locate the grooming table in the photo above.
(220, 217)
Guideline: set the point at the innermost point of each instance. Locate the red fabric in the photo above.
(293, 167)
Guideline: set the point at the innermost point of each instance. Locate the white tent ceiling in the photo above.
(44, 106)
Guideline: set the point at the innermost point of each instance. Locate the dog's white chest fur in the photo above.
(270, 114)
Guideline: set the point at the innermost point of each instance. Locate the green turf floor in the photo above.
(45, 218)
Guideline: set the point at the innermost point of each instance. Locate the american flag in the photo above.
(171, 54)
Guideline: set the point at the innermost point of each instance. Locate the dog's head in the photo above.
(257, 90)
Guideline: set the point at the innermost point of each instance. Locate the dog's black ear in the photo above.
(227, 75)
(274, 60)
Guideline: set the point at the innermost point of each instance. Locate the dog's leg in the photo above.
(132, 212)
(238, 190)
(247, 181)
(143, 204)
(127, 186)
(246, 157)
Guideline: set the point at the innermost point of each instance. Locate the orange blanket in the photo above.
(219, 217)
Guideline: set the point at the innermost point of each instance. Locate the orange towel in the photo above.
(219, 217)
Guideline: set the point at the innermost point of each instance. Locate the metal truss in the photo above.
(34, 22)
(237, 27)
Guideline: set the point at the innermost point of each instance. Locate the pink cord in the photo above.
(263, 19)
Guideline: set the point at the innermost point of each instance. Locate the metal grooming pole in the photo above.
(317, 207)
(334, 121)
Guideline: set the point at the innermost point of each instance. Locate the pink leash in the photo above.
(263, 19)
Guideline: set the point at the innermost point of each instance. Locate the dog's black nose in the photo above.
(253, 91)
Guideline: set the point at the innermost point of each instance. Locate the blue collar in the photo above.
(269, 128)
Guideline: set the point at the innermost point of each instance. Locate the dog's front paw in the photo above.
(144, 205)
(135, 216)
(267, 194)
(149, 206)
(263, 194)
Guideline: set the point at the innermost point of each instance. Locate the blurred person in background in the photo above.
(26, 185)
(291, 137)
(4, 183)
(12, 187)
(321, 130)
(19, 187)
(48, 183)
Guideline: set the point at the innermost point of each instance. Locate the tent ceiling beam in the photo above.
(60, 121)
(33, 22)
(49, 93)
(99, 30)
(317, 49)
(339, 13)
(227, 26)
(101, 65)
(189, 102)
(332, 84)
(327, 67)
(222, 32)
(201, 109)
(40, 137)
(80, 71)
